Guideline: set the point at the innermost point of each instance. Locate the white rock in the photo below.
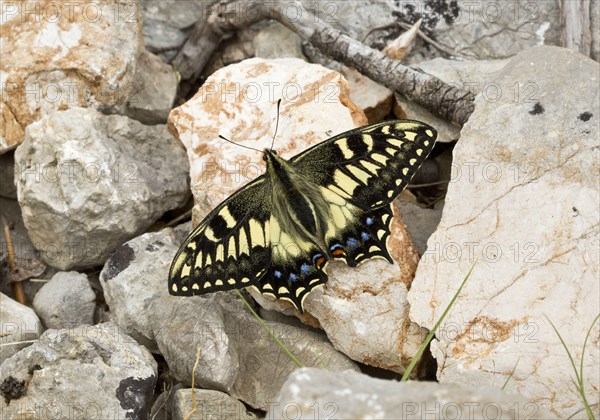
(374, 99)
(88, 182)
(488, 29)
(155, 91)
(59, 55)
(167, 23)
(79, 373)
(67, 300)
(314, 393)
(18, 324)
(277, 41)
(524, 204)
(364, 310)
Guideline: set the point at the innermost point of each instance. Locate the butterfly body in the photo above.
(330, 202)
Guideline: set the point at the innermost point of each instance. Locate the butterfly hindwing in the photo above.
(229, 249)
(363, 238)
(297, 267)
(369, 166)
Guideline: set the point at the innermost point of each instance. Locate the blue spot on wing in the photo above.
(352, 243)
(304, 269)
(365, 236)
(293, 277)
(277, 274)
(369, 221)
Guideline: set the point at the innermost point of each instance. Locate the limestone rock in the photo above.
(277, 41)
(485, 29)
(315, 393)
(61, 55)
(133, 277)
(167, 23)
(18, 324)
(155, 91)
(67, 300)
(524, 204)
(84, 372)
(88, 182)
(210, 405)
(237, 355)
(374, 99)
(420, 223)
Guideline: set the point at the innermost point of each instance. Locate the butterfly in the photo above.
(330, 202)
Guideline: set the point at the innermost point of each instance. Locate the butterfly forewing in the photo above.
(369, 166)
(230, 248)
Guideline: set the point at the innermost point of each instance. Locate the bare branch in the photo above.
(448, 102)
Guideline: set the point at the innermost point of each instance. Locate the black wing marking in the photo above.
(230, 248)
(369, 166)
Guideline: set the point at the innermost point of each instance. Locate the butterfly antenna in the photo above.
(276, 124)
(238, 144)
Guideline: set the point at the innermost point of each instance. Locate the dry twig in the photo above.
(189, 415)
(10, 250)
(448, 102)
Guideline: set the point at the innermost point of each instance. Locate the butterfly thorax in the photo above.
(296, 202)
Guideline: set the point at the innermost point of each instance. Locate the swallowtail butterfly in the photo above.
(330, 202)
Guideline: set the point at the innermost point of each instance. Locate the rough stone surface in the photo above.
(210, 405)
(84, 372)
(595, 23)
(133, 277)
(167, 23)
(490, 29)
(476, 76)
(61, 55)
(155, 91)
(67, 300)
(236, 355)
(315, 393)
(219, 168)
(374, 99)
(277, 41)
(88, 182)
(18, 323)
(525, 205)
(420, 223)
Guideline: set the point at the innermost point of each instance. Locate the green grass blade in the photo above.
(267, 329)
(511, 374)
(429, 337)
(578, 374)
(588, 408)
(565, 347)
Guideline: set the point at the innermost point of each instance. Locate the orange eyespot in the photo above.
(338, 252)
(320, 261)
